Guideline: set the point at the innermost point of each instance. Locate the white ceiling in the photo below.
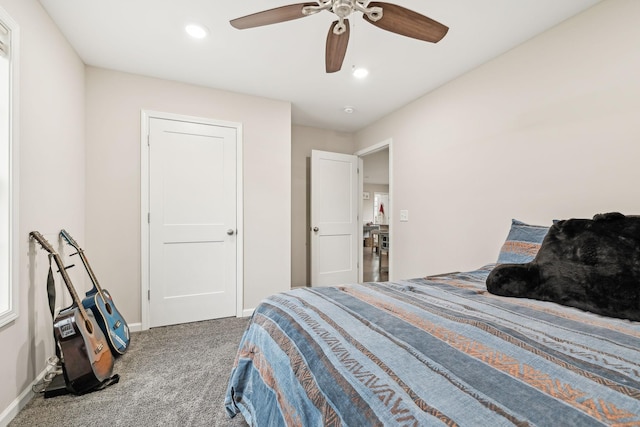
(286, 61)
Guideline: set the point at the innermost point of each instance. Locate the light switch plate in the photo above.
(404, 216)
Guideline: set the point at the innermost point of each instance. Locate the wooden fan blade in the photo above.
(336, 47)
(400, 20)
(271, 16)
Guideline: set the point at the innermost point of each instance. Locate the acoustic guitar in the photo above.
(86, 359)
(99, 301)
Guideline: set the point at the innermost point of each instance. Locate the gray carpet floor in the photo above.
(169, 376)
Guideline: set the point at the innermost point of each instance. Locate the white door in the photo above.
(192, 225)
(334, 218)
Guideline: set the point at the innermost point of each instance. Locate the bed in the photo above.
(438, 350)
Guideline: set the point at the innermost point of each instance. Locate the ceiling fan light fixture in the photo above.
(196, 31)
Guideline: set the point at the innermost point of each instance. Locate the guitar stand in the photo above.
(57, 387)
(114, 379)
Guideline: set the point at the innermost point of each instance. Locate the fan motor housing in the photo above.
(343, 8)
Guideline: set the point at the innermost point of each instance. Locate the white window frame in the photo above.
(9, 245)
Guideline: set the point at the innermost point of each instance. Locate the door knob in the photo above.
(316, 229)
(230, 232)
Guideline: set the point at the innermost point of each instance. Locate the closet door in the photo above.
(192, 221)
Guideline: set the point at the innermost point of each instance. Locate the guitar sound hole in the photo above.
(108, 306)
(89, 326)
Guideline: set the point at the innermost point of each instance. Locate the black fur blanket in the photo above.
(593, 265)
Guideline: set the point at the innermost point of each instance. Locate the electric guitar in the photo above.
(99, 301)
(87, 361)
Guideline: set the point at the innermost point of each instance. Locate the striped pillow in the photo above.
(523, 243)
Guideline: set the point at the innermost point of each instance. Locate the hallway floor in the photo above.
(371, 272)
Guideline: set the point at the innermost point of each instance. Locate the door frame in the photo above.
(386, 144)
(145, 117)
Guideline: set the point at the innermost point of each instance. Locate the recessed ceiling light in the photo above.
(348, 109)
(360, 73)
(196, 31)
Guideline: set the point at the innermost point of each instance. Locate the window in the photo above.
(8, 169)
(380, 208)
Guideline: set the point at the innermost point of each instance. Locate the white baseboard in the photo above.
(134, 327)
(21, 401)
(248, 312)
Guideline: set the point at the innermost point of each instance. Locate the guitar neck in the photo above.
(90, 272)
(70, 240)
(65, 277)
(67, 281)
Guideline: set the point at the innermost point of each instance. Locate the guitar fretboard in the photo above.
(61, 268)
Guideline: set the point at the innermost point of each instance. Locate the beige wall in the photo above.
(376, 167)
(51, 188)
(113, 105)
(305, 139)
(548, 130)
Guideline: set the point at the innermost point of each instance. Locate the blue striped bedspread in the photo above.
(434, 351)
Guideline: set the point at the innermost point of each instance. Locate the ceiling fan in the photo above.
(387, 16)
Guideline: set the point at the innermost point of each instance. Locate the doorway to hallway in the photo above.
(375, 212)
